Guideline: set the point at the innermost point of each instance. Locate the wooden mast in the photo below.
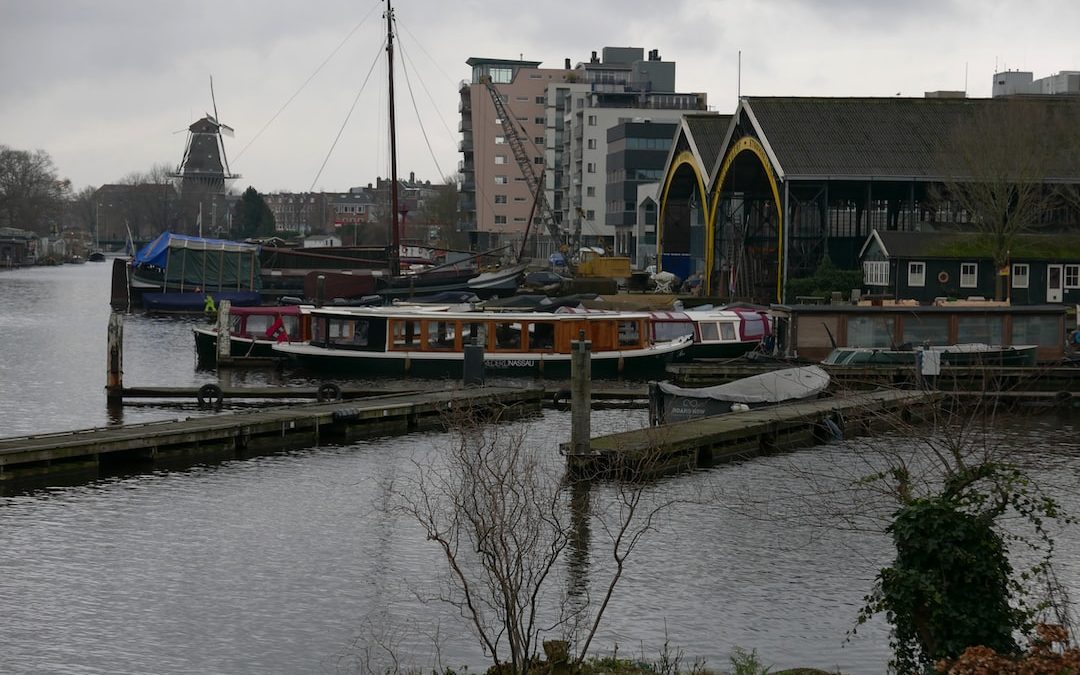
(395, 237)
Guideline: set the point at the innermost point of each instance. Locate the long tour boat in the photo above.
(419, 342)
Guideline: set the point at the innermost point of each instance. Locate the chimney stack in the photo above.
(566, 64)
(594, 59)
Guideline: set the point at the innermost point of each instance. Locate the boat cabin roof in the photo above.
(454, 315)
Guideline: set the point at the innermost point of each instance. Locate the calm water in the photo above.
(288, 563)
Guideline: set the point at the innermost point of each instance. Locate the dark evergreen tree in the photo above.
(252, 217)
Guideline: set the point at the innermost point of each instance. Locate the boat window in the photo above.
(507, 335)
(629, 333)
(670, 330)
(870, 331)
(541, 336)
(348, 332)
(292, 326)
(1036, 330)
(709, 333)
(257, 324)
(984, 329)
(406, 334)
(921, 330)
(727, 331)
(475, 334)
(235, 325)
(318, 330)
(440, 335)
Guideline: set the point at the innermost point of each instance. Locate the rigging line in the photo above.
(412, 97)
(352, 109)
(431, 98)
(433, 61)
(305, 83)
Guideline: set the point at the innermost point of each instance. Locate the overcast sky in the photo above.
(104, 86)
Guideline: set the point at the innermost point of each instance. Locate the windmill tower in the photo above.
(204, 175)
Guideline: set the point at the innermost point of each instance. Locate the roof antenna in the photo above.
(738, 79)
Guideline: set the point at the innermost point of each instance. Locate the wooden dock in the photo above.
(709, 440)
(48, 458)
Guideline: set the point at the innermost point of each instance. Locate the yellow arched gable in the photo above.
(749, 144)
(683, 158)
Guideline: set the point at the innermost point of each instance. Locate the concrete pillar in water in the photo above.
(581, 394)
(224, 343)
(114, 377)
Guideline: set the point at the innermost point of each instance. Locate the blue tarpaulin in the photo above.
(182, 262)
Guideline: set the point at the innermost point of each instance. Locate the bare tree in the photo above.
(1003, 162)
(32, 196)
(504, 519)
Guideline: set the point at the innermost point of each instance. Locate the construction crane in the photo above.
(534, 181)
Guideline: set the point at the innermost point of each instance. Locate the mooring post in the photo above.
(114, 377)
(581, 394)
(224, 341)
(320, 290)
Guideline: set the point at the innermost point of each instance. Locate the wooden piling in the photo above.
(114, 377)
(580, 393)
(224, 343)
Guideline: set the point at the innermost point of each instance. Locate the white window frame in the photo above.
(969, 275)
(500, 159)
(500, 180)
(1071, 276)
(500, 140)
(876, 272)
(916, 274)
(1021, 275)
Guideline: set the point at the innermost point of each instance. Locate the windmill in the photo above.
(204, 170)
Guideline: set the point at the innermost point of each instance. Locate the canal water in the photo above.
(292, 564)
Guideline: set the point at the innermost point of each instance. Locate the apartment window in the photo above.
(500, 159)
(1072, 276)
(969, 275)
(538, 160)
(500, 220)
(501, 75)
(592, 120)
(522, 99)
(500, 140)
(590, 191)
(916, 274)
(542, 100)
(591, 168)
(519, 220)
(500, 199)
(592, 143)
(500, 180)
(1020, 276)
(876, 273)
(539, 140)
(539, 120)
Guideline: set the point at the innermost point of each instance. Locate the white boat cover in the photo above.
(772, 387)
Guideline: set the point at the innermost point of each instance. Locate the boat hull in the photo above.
(417, 364)
(206, 342)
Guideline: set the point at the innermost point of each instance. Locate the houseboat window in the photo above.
(727, 331)
(876, 272)
(629, 333)
(920, 330)
(709, 332)
(406, 334)
(236, 329)
(916, 274)
(665, 331)
(542, 337)
(1036, 330)
(969, 275)
(1072, 276)
(507, 335)
(440, 335)
(985, 329)
(475, 334)
(870, 331)
(347, 332)
(318, 331)
(1019, 276)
